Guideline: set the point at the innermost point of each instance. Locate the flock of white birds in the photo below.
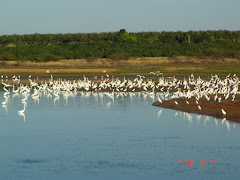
(222, 89)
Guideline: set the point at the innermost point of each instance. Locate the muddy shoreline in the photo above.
(210, 108)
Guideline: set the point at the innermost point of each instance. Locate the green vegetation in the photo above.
(120, 45)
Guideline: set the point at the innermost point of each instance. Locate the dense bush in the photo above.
(120, 45)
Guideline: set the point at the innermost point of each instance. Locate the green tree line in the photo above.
(120, 45)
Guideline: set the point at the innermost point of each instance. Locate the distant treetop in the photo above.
(122, 31)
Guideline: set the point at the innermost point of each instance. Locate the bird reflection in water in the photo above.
(198, 117)
(5, 107)
(23, 115)
(216, 122)
(159, 112)
(187, 116)
(207, 119)
(22, 112)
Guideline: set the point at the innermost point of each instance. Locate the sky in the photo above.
(87, 16)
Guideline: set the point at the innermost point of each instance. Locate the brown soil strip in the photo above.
(211, 108)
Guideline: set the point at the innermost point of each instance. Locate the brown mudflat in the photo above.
(211, 108)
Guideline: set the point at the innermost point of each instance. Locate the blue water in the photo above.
(91, 136)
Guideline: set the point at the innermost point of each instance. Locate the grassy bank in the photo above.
(178, 65)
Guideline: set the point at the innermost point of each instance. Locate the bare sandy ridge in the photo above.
(53, 71)
(106, 62)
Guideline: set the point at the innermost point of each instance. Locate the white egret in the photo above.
(199, 107)
(224, 112)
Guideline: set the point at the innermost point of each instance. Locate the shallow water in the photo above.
(91, 136)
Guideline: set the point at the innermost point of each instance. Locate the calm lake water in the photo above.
(91, 136)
